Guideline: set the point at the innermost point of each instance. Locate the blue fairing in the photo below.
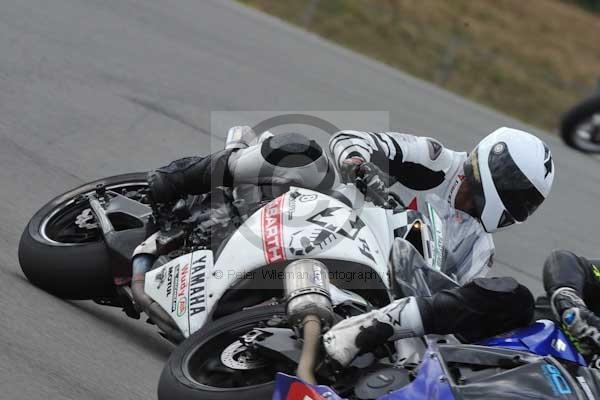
(430, 383)
(542, 338)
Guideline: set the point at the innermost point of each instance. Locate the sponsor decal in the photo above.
(557, 381)
(499, 148)
(272, 231)
(173, 284)
(291, 388)
(198, 286)
(327, 219)
(169, 281)
(365, 250)
(559, 345)
(181, 296)
(435, 149)
(307, 197)
(300, 391)
(181, 306)
(302, 245)
(437, 237)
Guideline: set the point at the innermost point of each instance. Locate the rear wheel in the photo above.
(213, 364)
(62, 251)
(580, 127)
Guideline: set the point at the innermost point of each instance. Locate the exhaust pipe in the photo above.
(306, 284)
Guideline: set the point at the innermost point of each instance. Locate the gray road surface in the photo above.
(90, 88)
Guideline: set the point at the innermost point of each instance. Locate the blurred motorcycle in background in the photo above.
(580, 126)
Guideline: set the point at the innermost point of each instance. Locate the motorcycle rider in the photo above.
(500, 183)
(572, 283)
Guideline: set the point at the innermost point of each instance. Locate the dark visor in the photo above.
(520, 197)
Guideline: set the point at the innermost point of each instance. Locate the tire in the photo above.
(175, 382)
(573, 119)
(79, 271)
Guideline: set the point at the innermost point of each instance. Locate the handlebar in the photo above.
(392, 201)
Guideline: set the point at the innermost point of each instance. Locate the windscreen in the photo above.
(477, 372)
(467, 250)
(538, 381)
(460, 250)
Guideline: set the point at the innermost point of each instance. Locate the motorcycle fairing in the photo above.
(291, 388)
(299, 224)
(543, 338)
(431, 382)
(427, 385)
(473, 372)
(302, 224)
(181, 288)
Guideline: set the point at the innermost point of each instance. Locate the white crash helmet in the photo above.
(510, 174)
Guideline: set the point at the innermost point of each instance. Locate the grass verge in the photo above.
(532, 59)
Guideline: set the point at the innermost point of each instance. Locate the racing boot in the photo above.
(581, 325)
(363, 333)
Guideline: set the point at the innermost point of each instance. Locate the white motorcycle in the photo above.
(315, 258)
(249, 287)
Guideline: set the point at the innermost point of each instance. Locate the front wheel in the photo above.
(62, 250)
(213, 364)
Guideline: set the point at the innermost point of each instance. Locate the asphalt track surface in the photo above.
(91, 88)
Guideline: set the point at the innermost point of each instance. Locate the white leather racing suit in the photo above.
(420, 166)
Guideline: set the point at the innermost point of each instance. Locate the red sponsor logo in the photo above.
(300, 391)
(183, 280)
(272, 231)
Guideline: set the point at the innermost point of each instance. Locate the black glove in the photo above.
(369, 178)
(581, 325)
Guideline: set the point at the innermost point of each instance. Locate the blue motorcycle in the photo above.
(536, 362)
